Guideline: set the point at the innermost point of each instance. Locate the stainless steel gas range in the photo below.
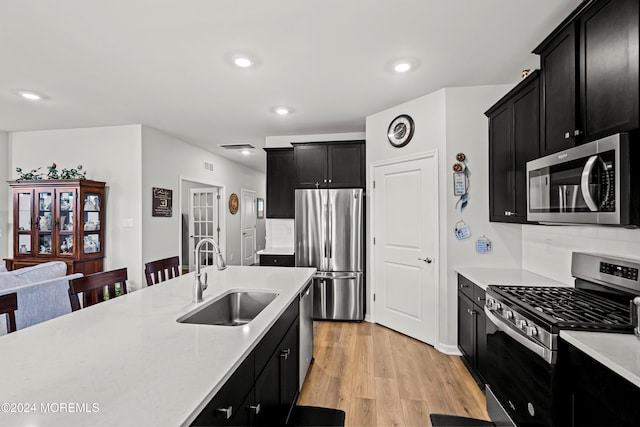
(524, 360)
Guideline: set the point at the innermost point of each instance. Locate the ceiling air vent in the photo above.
(208, 166)
(236, 146)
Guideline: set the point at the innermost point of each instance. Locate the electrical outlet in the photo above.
(231, 256)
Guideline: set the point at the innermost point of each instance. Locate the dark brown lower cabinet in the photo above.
(472, 323)
(264, 388)
(596, 395)
(277, 260)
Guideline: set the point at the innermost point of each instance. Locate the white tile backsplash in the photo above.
(280, 233)
(547, 249)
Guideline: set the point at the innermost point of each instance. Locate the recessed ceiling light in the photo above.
(246, 152)
(243, 62)
(282, 111)
(30, 95)
(402, 67)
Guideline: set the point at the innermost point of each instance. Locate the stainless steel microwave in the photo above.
(594, 183)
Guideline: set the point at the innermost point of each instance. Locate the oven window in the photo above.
(523, 382)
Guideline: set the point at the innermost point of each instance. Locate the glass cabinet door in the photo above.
(92, 223)
(44, 209)
(67, 207)
(25, 210)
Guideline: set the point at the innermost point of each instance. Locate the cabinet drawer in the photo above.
(479, 296)
(466, 286)
(272, 339)
(231, 395)
(277, 260)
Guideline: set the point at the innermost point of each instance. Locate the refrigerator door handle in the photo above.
(330, 236)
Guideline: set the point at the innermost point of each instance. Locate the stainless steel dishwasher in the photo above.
(306, 331)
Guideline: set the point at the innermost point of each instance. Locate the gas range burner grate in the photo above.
(571, 307)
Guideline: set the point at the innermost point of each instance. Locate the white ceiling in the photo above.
(167, 63)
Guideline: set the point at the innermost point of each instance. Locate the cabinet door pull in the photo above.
(567, 135)
(481, 299)
(255, 408)
(464, 285)
(284, 354)
(228, 411)
(577, 132)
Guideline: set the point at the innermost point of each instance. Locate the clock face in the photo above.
(400, 131)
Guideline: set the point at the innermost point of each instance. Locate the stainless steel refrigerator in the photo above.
(329, 228)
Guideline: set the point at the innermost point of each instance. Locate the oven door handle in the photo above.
(540, 350)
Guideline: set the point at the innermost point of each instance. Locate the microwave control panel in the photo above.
(629, 273)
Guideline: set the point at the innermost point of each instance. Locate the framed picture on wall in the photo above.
(260, 207)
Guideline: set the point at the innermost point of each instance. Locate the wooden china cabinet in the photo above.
(58, 220)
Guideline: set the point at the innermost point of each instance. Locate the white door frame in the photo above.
(371, 281)
(222, 218)
(244, 191)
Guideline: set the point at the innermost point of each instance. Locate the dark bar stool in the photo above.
(307, 416)
(97, 287)
(161, 270)
(8, 306)
(441, 420)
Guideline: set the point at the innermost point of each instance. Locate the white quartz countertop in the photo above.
(128, 362)
(485, 276)
(618, 352)
(276, 251)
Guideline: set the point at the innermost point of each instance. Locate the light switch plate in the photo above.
(127, 222)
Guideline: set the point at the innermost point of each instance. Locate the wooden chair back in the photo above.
(8, 306)
(97, 287)
(161, 270)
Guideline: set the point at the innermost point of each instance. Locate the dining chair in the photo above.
(161, 270)
(8, 306)
(97, 287)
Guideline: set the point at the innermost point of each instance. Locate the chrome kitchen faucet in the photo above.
(200, 283)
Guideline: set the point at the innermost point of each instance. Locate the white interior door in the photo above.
(204, 221)
(405, 228)
(248, 226)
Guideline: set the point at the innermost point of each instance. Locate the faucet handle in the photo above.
(204, 281)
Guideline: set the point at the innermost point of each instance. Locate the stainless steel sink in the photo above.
(232, 309)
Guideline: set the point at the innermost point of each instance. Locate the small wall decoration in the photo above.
(461, 230)
(35, 174)
(461, 181)
(260, 207)
(162, 202)
(233, 203)
(483, 245)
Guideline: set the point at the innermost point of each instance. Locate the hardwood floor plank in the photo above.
(362, 413)
(388, 406)
(381, 377)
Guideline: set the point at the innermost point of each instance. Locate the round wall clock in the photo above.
(233, 203)
(400, 130)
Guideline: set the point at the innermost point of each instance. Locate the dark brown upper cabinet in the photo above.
(330, 164)
(281, 183)
(514, 139)
(590, 83)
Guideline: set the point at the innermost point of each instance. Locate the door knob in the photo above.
(427, 260)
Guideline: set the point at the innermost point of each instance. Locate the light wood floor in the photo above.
(382, 378)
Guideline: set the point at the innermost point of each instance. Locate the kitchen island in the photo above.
(128, 361)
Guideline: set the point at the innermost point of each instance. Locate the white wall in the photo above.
(546, 249)
(165, 160)
(5, 197)
(110, 154)
(451, 121)
(467, 132)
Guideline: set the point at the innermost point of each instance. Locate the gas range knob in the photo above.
(508, 314)
(532, 331)
(521, 323)
(497, 306)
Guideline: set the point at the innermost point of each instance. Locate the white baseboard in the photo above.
(451, 350)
